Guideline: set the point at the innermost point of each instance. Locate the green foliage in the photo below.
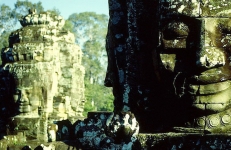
(7, 22)
(91, 59)
(99, 98)
(68, 26)
(55, 11)
(4, 39)
(88, 26)
(22, 7)
(90, 30)
(6, 17)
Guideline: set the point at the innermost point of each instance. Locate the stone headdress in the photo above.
(196, 8)
(29, 75)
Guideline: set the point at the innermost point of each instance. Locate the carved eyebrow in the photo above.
(226, 31)
(24, 88)
(17, 91)
(177, 24)
(224, 26)
(175, 30)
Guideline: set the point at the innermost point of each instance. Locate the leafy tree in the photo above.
(99, 98)
(6, 17)
(7, 22)
(55, 11)
(21, 7)
(91, 60)
(68, 25)
(90, 31)
(87, 26)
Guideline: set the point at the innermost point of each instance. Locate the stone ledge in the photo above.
(158, 141)
(189, 141)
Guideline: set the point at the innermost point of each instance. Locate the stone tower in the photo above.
(42, 72)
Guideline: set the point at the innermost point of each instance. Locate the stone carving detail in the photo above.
(169, 66)
(44, 18)
(107, 131)
(194, 55)
(42, 75)
(169, 60)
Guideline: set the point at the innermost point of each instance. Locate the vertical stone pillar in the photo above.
(131, 39)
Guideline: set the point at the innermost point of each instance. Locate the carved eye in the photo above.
(224, 26)
(27, 92)
(225, 31)
(17, 92)
(175, 30)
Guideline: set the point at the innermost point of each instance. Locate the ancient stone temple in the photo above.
(169, 66)
(42, 79)
(170, 62)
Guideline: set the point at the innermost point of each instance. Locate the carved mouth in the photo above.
(24, 109)
(208, 93)
(213, 97)
(24, 103)
(205, 84)
(208, 89)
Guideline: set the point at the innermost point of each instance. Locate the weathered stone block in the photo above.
(210, 8)
(185, 7)
(29, 126)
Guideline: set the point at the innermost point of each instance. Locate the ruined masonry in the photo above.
(42, 77)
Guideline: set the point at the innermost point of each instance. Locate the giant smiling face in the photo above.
(193, 59)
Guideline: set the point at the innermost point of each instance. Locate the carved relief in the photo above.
(173, 68)
(46, 65)
(194, 55)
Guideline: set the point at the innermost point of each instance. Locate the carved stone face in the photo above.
(194, 60)
(27, 100)
(27, 89)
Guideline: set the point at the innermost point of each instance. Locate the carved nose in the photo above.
(210, 57)
(23, 98)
